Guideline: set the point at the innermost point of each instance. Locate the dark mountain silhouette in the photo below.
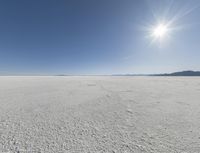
(182, 73)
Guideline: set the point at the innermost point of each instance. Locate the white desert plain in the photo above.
(99, 114)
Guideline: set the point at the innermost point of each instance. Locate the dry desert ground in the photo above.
(99, 114)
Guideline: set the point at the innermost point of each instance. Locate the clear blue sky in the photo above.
(97, 36)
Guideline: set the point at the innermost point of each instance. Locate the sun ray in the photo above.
(164, 24)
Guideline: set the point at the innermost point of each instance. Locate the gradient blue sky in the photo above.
(97, 36)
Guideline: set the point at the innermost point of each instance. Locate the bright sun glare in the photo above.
(160, 31)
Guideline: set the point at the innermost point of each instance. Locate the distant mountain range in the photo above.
(182, 73)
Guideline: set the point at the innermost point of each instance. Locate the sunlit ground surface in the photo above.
(100, 114)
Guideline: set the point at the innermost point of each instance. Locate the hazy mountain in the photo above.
(182, 73)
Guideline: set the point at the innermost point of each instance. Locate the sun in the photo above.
(160, 31)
